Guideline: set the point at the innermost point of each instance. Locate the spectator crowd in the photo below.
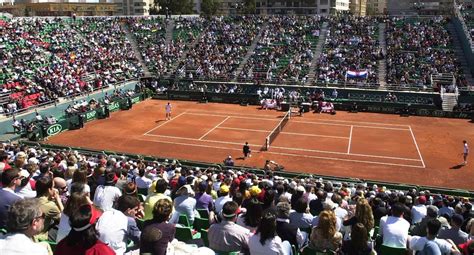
(67, 202)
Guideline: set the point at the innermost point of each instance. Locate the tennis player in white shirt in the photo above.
(168, 111)
(465, 152)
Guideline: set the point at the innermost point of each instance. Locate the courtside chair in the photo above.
(386, 250)
(183, 220)
(185, 234)
(200, 223)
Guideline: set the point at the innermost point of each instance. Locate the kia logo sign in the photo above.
(54, 129)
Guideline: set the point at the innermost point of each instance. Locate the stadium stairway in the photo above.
(250, 52)
(460, 54)
(382, 69)
(172, 73)
(169, 31)
(449, 101)
(132, 41)
(317, 54)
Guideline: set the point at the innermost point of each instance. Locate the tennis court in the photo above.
(415, 150)
(325, 139)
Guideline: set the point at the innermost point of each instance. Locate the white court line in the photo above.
(245, 129)
(299, 121)
(287, 133)
(326, 136)
(343, 153)
(237, 117)
(417, 148)
(212, 129)
(205, 140)
(347, 121)
(167, 121)
(287, 154)
(350, 140)
(284, 148)
(346, 125)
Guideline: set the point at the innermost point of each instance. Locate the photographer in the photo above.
(271, 165)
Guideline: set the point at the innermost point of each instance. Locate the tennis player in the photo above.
(465, 152)
(168, 111)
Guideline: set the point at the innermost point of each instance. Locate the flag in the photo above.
(357, 74)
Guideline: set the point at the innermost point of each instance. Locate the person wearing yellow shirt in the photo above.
(160, 189)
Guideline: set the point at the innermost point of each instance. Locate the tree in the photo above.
(250, 7)
(176, 7)
(210, 7)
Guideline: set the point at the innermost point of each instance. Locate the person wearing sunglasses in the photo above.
(24, 220)
(11, 180)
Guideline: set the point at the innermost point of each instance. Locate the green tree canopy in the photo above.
(210, 7)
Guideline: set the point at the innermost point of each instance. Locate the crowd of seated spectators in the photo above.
(284, 51)
(85, 203)
(417, 49)
(219, 51)
(467, 13)
(351, 45)
(46, 58)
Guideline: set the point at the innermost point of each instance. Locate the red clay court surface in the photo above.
(414, 150)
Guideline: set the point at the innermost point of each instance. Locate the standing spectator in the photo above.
(83, 237)
(160, 189)
(50, 203)
(11, 179)
(266, 240)
(25, 220)
(455, 233)
(157, 232)
(107, 194)
(325, 236)
(394, 228)
(227, 236)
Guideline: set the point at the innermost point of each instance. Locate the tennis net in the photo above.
(272, 136)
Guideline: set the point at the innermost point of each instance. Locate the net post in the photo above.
(267, 143)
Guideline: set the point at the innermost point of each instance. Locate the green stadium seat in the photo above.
(203, 213)
(185, 234)
(183, 220)
(309, 251)
(386, 250)
(205, 237)
(201, 223)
